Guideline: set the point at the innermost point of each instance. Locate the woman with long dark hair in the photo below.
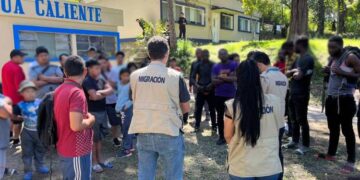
(251, 128)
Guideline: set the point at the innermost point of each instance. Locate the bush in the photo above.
(183, 54)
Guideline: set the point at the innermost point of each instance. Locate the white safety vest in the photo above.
(273, 81)
(155, 94)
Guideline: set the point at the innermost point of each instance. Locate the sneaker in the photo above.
(348, 168)
(326, 157)
(207, 118)
(221, 142)
(302, 150)
(116, 142)
(290, 145)
(124, 153)
(43, 170)
(97, 168)
(10, 172)
(15, 142)
(28, 176)
(106, 165)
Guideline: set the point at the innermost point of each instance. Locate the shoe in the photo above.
(106, 165)
(15, 142)
(302, 150)
(28, 176)
(43, 170)
(290, 145)
(326, 157)
(207, 118)
(10, 172)
(348, 168)
(97, 168)
(132, 150)
(196, 130)
(124, 153)
(116, 142)
(221, 142)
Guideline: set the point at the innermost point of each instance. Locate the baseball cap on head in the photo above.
(17, 52)
(26, 84)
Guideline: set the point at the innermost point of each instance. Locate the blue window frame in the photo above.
(18, 29)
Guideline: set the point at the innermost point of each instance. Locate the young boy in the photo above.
(96, 89)
(31, 145)
(125, 107)
(5, 113)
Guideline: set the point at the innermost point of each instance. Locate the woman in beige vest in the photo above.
(252, 129)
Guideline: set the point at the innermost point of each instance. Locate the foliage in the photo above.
(150, 30)
(183, 54)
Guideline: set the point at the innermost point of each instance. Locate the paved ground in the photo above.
(205, 160)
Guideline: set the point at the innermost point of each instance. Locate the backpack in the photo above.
(46, 123)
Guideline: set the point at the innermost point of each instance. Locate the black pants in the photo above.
(281, 156)
(340, 112)
(220, 110)
(182, 32)
(199, 104)
(289, 121)
(298, 109)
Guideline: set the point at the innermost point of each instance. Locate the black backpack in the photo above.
(46, 121)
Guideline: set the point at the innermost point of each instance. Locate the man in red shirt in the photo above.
(12, 75)
(73, 122)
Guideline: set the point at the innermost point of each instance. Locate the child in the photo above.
(125, 107)
(5, 113)
(31, 145)
(96, 89)
(281, 62)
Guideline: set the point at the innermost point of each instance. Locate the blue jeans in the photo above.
(170, 148)
(273, 177)
(126, 117)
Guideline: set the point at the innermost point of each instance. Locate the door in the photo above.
(215, 27)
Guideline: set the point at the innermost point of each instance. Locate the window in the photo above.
(257, 29)
(104, 43)
(227, 21)
(55, 43)
(193, 15)
(244, 24)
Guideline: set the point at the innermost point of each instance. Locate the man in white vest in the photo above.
(160, 98)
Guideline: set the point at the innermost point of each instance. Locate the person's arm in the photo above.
(305, 68)
(78, 122)
(194, 72)
(229, 129)
(229, 79)
(5, 108)
(352, 61)
(107, 91)
(51, 79)
(91, 91)
(215, 78)
(34, 77)
(184, 96)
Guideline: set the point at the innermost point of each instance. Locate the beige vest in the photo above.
(262, 159)
(273, 81)
(155, 93)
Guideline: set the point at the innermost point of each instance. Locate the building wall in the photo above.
(147, 9)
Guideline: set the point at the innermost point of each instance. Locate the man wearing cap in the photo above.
(12, 76)
(160, 99)
(45, 75)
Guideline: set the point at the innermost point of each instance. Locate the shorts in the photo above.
(101, 127)
(113, 119)
(76, 167)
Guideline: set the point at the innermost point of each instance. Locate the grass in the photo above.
(318, 48)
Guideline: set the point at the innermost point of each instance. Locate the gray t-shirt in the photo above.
(50, 70)
(4, 126)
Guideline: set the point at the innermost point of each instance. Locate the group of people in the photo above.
(246, 102)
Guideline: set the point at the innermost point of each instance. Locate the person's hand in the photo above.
(91, 119)
(124, 108)
(17, 118)
(297, 74)
(42, 77)
(99, 93)
(336, 70)
(326, 69)
(191, 89)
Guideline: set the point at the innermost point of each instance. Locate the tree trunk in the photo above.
(321, 18)
(172, 25)
(341, 17)
(299, 19)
